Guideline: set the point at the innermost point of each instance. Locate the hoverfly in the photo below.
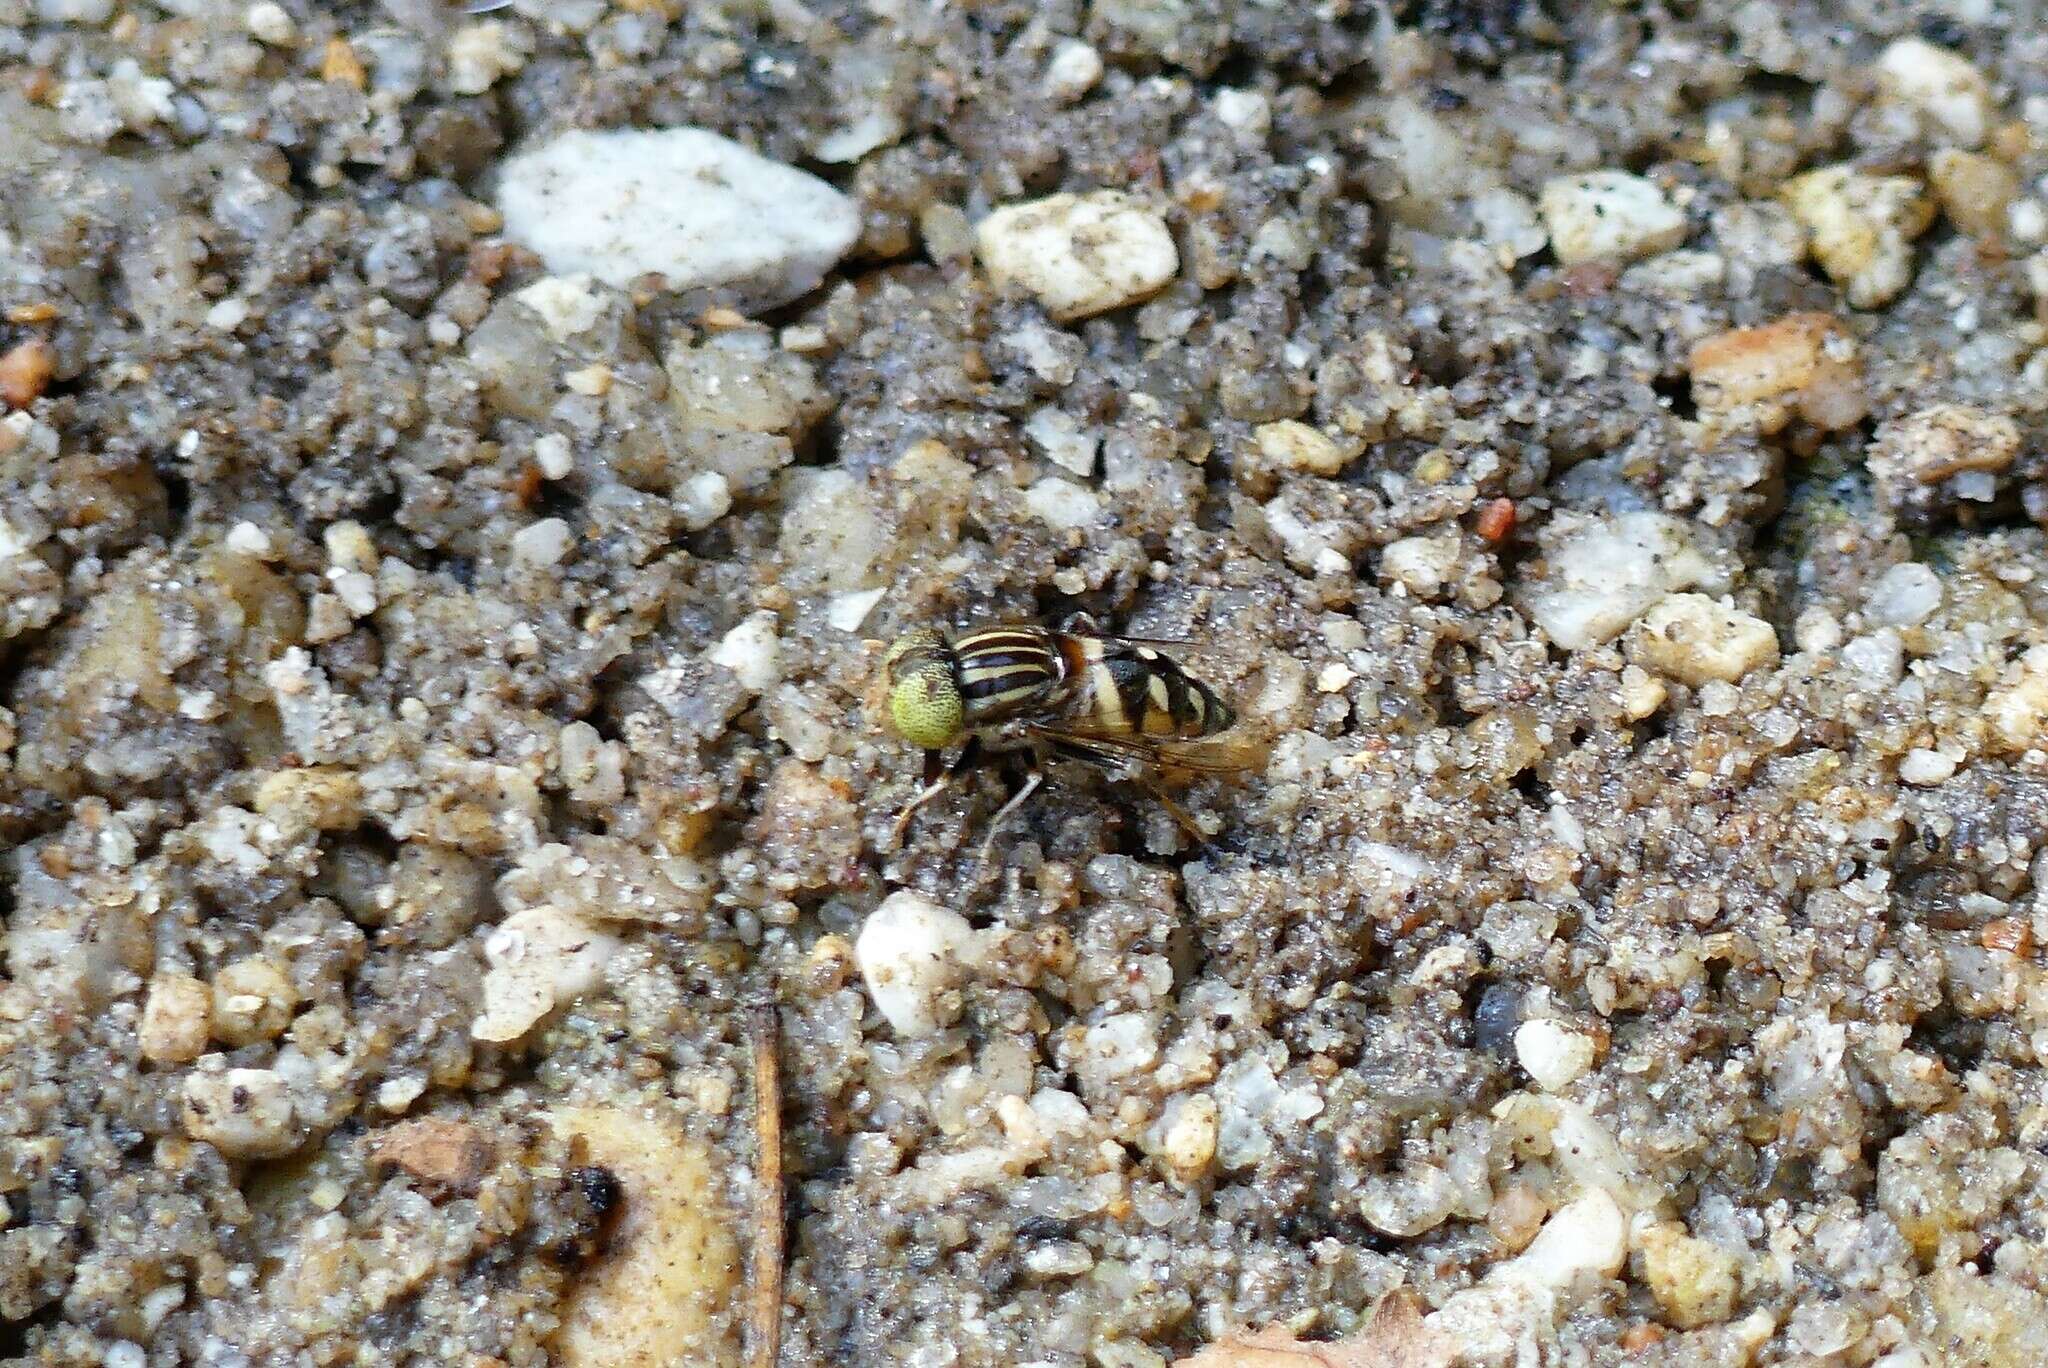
(1112, 701)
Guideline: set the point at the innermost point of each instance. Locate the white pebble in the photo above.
(481, 54)
(1610, 215)
(1297, 446)
(1074, 69)
(243, 1113)
(1926, 768)
(125, 1354)
(1552, 1053)
(699, 209)
(568, 305)
(247, 539)
(1905, 595)
(538, 959)
(703, 499)
(1062, 503)
(551, 453)
(356, 590)
(228, 315)
(914, 955)
(1247, 111)
(1941, 85)
(544, 543)
(1696, 640)
(1879, 658)
(269, 23)
(1421, 564)
(1064, 440)
(1583, 1242)
(752, 651)
(846, 612)
(1608, 572)
(1079, 254)
(1861, 228)
(1817, 630)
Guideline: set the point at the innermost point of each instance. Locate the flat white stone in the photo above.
(1609, 214)
(1063, 503)
(699, 209)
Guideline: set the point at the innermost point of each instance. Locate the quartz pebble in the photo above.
(539, 958)
(1552, 1053)
(1694, 639)
(914, 955)
(243, 1113)
(1607, 572)
(1860, 228)
(1073, 70)
(1079, 254)
(1609, 215)
(1063, 503)
(1944, 86)
(1587, 1236)
(698, 209)
(1926, 768)
(2018, 709)
(752, 651)
(175, 1019)
(1297, 446)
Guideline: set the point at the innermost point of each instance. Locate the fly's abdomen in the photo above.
(1140, 692)
(1003, 670)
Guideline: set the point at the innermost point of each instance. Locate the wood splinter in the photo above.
(766, 1318)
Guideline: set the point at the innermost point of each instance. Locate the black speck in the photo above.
(1943, 31)
(599, 1186)
(1032, 1229)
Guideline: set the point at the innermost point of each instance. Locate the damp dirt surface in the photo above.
(1598, 449)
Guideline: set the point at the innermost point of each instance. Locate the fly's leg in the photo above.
(1176, 811)
(938, 777)
(1031, 783)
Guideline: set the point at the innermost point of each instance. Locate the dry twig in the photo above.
(764, 1028)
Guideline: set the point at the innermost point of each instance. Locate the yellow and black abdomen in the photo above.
(1003, 671)
(1135, 691)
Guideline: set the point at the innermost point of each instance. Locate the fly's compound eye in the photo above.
(921, 641)
(925, 706)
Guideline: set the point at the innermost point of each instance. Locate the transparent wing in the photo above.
(1080, 624)
(1211, 755)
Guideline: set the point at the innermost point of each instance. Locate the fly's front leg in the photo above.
(938, 777)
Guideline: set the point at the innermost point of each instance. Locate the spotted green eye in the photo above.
(925, 706)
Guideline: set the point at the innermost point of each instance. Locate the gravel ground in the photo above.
(1599, 449)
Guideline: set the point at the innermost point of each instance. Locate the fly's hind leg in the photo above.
(1176, 811)
(938, 777)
